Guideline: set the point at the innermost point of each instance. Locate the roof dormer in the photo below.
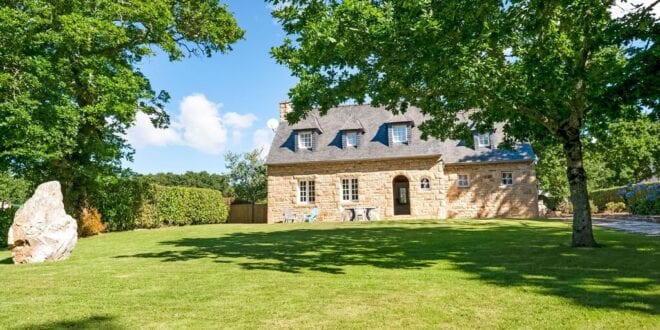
(399, 130)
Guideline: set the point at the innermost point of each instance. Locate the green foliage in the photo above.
(615, 207)
(566, 207)
(193, 179)
(133, 202)
(12, 189)
(70, 85)
(247, 173)
(602, 197)
(642, 199)
(6, 219)
(189, 206)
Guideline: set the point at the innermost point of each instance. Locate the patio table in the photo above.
(367, 208)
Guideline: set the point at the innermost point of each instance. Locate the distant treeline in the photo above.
(193, 179)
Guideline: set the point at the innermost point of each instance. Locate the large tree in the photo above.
(549, 69)
(70, 85)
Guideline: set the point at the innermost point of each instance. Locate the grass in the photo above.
(446, 274)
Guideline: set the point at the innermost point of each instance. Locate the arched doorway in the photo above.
(401, 194)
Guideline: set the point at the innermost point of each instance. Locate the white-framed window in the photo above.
(463, 181)
(351, 139)
(305, 140)
(483, 140)
(306, 191)
(507, 178)
(425, 183)
(349, 190)
(400, 133)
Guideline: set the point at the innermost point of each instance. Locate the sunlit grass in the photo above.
(489, 274)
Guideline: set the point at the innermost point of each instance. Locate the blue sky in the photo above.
(218, 104)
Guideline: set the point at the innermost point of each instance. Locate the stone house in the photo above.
(361, 156)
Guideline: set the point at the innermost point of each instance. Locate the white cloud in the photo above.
(621, 8)
(263, 137)
(239, 121)
(143, 133)
(199, 126)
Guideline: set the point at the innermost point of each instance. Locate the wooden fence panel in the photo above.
(242, 213)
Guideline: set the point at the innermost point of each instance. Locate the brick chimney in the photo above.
(285, 107)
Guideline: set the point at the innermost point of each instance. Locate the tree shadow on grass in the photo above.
(6, 261)
(93, 322)
(622, 275)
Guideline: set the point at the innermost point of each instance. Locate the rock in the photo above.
(42, 231)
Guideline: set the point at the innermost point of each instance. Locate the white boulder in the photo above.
(42, 231)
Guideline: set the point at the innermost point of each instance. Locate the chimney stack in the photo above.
(285, 107)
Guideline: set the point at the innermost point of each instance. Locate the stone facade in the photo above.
(485, 197)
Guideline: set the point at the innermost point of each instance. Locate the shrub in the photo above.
(615, 207)
(642, 199)
(603, 196)
(131, 203)
(566, 207)
(90, 223)
(6, 219)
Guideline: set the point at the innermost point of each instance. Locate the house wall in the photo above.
(484, 198)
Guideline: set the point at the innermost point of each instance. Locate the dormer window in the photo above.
(483, 140)
(351, 139)
(305, 140)
(400, 133)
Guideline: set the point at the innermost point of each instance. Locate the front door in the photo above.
(401, 194)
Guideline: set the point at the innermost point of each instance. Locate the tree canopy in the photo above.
(550, 70)
(70, 85)
(193, 179)
(248, 176)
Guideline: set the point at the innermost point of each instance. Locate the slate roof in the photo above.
(374, 144)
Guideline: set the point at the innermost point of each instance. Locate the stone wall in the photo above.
(484, 198)
(487, 197)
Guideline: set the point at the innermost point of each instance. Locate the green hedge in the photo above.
(134, 203)
(601, 197)
(6, 219)
(641, 198)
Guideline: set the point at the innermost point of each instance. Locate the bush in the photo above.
(131, 203)
(90, 223)
(615, 207)
(6, 219)
(642, 199)
(566, 207)
(603, 196)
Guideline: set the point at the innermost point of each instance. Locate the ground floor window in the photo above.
(507, 178)
(306, 191)
(463, 181)
(349, 190)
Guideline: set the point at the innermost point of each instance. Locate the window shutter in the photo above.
(343, 139)
(315, 137)
(295, 141)
(493, 144)
(359, 137)
(409, 130)
(389, 135)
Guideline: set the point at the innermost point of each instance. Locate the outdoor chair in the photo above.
(289, 216)
(311, 217)
(360, 212)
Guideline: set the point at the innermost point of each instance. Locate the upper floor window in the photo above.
(400, 133)
(463, 181)
(305, 140)
(483, 140)
(351, 139)
(507, 178)
(425, 183)
(349, 190)
(306, 191)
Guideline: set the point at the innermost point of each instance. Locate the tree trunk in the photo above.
(577, 181)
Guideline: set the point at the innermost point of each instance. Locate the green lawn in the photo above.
(447, 274)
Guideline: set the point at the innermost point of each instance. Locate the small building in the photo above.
(361, 156)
